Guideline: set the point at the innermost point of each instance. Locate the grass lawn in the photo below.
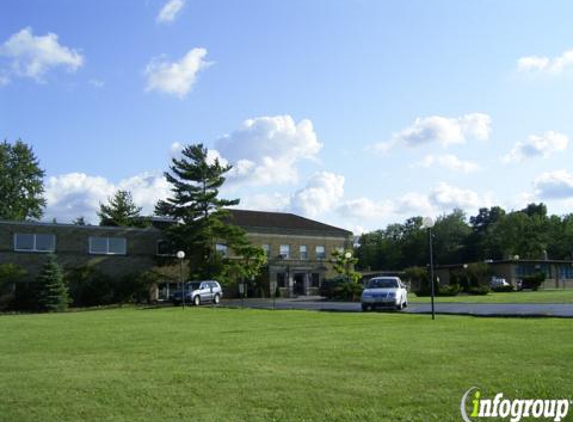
(228, 365)
(542, 296)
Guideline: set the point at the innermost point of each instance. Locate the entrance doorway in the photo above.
(298, 286)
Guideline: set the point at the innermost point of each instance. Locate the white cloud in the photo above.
(444, 130)
(538, 146)
(266, 150)
(449, 162)
(77, 194)
(445, 196)
(96, 83)
(365, 208)
(554, 185)
(414, 203)
(322, 193)
(265, 202)
(169, 11)
(33, 56)
(176, 78)
(546, 64)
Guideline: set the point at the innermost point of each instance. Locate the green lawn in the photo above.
(542, 296)
(229, 365)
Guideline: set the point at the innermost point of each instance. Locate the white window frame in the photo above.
(284, 255)
(322, 254)
(303, 252)
(34, 247)
(107, 251)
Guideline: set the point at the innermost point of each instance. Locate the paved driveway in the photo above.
(478, 309)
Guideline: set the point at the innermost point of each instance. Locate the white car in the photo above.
(384, 292)
(498, 282)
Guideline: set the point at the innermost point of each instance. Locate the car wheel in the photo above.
(365, 307)
(217, 299)
(197, 300)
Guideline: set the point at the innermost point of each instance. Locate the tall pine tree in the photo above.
(120, 211)
(21, 183)
(54, 295)
(202, 220)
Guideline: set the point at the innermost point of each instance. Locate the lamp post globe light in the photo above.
(180, 257)
(428, 223)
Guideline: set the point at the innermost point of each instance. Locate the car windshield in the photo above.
(382, 283)
(192, 286)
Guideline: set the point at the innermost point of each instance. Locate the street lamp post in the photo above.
(429, 223)
(348, 255)
(180, 257)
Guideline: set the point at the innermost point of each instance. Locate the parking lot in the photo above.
(476, 309)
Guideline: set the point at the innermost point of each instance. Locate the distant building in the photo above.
(298, 249)
(558, 273)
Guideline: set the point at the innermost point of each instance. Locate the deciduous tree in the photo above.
(21, 183)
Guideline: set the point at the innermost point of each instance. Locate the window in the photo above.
(222, 249)
(525, 269)
(267, 248)
(107, 245)
(320, 252)
(565, 271)
(303, 252)
(165, 248)
(285, 251)
(29, 242)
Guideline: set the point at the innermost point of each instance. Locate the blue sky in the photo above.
(356, 113)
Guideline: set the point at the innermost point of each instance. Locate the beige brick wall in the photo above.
(72, 247)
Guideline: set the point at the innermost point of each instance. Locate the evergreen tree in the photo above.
(80, 221)
(21, 183)
(202, 218)
(121, 211)
(54, 295)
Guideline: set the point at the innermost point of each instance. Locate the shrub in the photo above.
(340, 289)
(10, 275)
(449, 290)
(479, 291)
(533, 281)
(90, 287)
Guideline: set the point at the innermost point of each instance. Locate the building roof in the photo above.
(281, 221)
(43, 224)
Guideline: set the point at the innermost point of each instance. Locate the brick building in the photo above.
(297, 248)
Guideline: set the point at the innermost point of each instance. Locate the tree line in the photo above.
(493, 233)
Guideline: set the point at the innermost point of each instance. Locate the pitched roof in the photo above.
(281, 221)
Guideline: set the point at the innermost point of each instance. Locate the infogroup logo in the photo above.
(514, 409)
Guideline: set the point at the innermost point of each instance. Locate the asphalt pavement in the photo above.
(476, 309)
